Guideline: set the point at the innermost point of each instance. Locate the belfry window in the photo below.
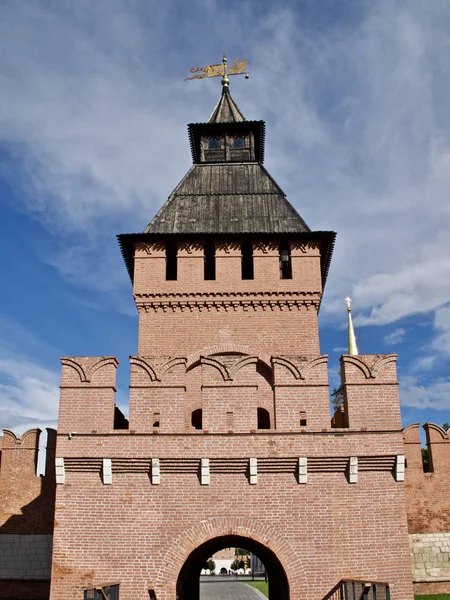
(214, 144)
(238, 143)
(171, 261)
(263, 419)
(210, 260)
(197, 419)
(247, 259)
(285, 261)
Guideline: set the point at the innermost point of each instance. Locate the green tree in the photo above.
(211, 566)
(425, 460)
(234, 565)
(241, 552)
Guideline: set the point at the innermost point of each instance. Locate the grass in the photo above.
(263, 587)
(432, 597)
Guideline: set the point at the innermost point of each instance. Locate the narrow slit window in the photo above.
(210, 260)
(263, 419)
(285, 262)
(214, 144)
(156, 419)
(247, 259)
(303, 421)
(426, 463)
(239, 143)
(197, 419)
(230, 420)
(171, 261)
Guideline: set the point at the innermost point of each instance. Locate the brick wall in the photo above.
(133, 505)
(140, 534)
(27, 505)
(428, 507)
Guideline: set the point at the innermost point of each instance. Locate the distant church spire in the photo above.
(352, 347)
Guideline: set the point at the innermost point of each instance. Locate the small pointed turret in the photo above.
(352, 347)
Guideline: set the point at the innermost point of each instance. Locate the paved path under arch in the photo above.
(227, 588)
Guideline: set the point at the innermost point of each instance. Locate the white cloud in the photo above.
(29, 393)
(435, 395)
(441, 344)
(396, 336)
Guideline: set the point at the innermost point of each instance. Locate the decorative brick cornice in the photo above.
(305, 246)
(190, 247)
(299, 366)
(266, 464)
(156, 367)
(226, 305)
(150, 248)
(223, 295)
(371, 371)
(86, 371)
(228, 348)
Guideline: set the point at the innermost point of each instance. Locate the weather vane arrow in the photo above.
(238, 67)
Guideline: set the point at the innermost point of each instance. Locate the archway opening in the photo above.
(188, 583)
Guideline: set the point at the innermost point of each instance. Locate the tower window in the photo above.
(285, 262)
(238, 143)
(303, 421)
(263, 419)
(156, 417)
(214, 144)
(247, 259)
(210, 260)
(197, 419)
(171, 261)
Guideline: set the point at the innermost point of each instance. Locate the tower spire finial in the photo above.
(352, 347)
(225, 79)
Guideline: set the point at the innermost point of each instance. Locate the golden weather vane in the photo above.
(222, 70)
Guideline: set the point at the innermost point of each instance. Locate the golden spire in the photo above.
(222, 70)
(352, 347)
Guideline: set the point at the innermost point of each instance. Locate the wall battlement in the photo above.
(228, 387)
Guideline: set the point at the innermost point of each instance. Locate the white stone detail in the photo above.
(303, 470)
(353, 469)
(156, 473)
(400, 467)
(107, 471)
(430, 557)
(253, 471)
(204, 471)
(60, 470)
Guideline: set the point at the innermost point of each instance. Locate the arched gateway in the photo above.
(182, 564)
(188, 582)
(229, 439)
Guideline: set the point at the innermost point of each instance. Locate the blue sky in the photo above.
(93, 139)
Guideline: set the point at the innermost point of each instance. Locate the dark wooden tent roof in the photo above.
(227, 198)
(226, 110)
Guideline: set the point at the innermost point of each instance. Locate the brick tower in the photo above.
(229, 440)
